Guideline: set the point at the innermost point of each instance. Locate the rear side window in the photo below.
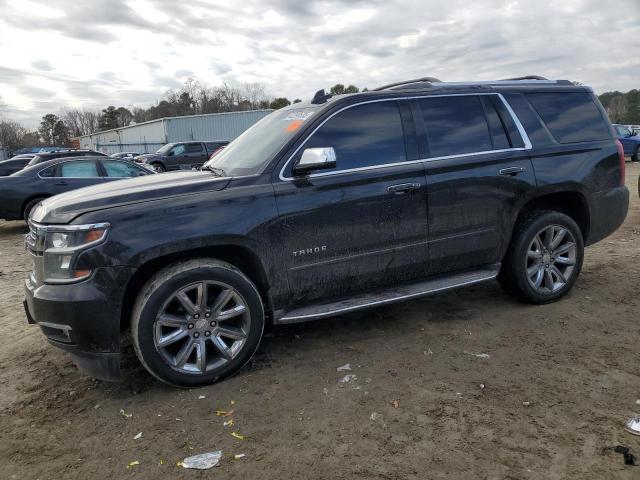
(364, 135)
(455, 125)
(194, 148)
(570, 117)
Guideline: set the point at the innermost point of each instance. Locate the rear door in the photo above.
(363, 223)
(196, 155)
(477, 169)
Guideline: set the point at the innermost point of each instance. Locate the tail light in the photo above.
(621, 158)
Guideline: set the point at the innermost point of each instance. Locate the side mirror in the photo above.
(316, 159)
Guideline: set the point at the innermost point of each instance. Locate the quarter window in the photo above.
(570, 117)
(455, 125)
(362, 136)
(79, 169)
(121, 169)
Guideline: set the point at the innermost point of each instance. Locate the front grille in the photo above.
(34, 244)
(34, 240)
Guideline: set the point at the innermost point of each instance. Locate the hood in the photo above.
(148, 156)
(65, 207)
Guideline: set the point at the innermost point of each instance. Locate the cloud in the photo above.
(128, 52)
(42, 65)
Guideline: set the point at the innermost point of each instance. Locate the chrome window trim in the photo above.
(516, 120)
(79, 158)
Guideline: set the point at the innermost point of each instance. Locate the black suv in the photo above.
(328, 207)
(180, 155)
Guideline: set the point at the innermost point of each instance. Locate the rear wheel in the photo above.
(197, 322)
(29, 206)
(636, 156)
(544, 258)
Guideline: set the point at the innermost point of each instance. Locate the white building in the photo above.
(147, 137)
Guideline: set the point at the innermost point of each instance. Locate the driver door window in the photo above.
(178, 150)
(363, 136)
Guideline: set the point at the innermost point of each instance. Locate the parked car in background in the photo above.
(40, 149)
(44, 157)
(20, 192)
(14, 164)
(125, 155)
(181, 155)
(327, 207)
(635, 129)
(629, 140)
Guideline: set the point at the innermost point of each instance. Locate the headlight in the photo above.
(60, 246)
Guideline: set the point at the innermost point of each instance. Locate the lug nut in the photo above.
(196, 316)
(213, 324)
(190, 326)
(196, 335)
(207, 315)
(207, 333)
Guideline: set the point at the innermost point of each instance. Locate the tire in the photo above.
(532, 257)
(158, 167)
(29, 206)
(176, 363)
(636, 156)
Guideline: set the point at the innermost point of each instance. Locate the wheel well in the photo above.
(31, 198)
(240, 257)
(572, 204)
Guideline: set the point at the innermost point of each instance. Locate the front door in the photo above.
(363, 223)
(478, 169)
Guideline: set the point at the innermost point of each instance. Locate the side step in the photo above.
(388, 295)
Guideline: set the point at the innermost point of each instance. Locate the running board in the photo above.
(388, 295)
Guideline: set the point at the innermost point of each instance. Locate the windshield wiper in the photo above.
(219, 172)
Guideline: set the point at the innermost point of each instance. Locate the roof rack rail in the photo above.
(526, 77)
(406, 82)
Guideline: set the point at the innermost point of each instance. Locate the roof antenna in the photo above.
(320, 97)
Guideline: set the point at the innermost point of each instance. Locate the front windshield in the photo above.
(250, 152)
(164, 150)
(34, 160)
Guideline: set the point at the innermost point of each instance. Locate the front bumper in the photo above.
(83, 318)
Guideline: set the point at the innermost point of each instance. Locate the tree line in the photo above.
(192, 98)
(622, 107)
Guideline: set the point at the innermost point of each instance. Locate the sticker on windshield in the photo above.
(296, 119)
(302, 116)
(295, 125)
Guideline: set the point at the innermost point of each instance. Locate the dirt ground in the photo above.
(469, 384)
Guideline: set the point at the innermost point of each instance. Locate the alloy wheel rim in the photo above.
(202, 327)
(551, 259)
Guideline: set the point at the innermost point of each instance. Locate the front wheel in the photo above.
(197, 322)
(544, 258)
(158, 167)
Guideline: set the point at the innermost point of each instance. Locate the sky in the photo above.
(95, 53)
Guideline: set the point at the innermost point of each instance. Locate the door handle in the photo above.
(403, 188)
(511, 171)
